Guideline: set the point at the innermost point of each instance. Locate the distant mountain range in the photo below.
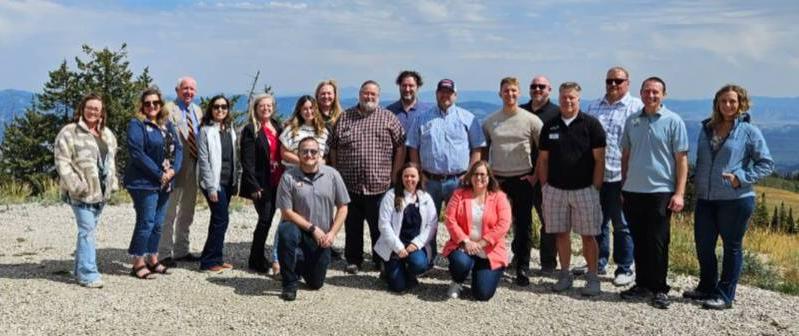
(775, 115)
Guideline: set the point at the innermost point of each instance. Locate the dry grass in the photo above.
(775, 196)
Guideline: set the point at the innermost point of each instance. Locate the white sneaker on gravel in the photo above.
(454, 290)
(94, 284)
(624, 279)
(592, 287)
(565, 280)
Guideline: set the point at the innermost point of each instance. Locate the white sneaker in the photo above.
(624, 279)
(94, 284)
(454, 290)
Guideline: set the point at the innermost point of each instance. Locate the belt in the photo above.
(502, 178)
(438, 177)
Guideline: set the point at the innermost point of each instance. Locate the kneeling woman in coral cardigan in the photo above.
(478, 217)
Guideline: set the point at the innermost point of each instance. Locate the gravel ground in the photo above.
(39, 297)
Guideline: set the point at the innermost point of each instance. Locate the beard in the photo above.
(368, 106)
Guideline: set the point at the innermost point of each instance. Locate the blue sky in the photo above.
(696, 46)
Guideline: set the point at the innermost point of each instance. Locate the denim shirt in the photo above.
(146, 150)
(744, 153)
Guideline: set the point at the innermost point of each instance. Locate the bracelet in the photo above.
(311, 229)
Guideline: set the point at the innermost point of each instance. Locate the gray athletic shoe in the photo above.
(454, 290)
(565, 280)
(592, 287)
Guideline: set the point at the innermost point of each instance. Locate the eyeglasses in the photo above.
(615, 81)
(541, 87)
(480, 175)
(152, 103)
(309, 152)
(219, 106)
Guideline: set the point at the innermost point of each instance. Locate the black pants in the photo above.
(547, 251)
(265, 207)
(360, 208)
(520, 195)
(300, 256)
(649, 220)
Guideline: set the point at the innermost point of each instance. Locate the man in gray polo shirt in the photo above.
(654, 166)
(307, 196)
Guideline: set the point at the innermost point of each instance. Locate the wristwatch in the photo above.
(311, 229)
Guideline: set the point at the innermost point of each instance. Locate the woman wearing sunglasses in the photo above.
(155, 157)
(217, 170)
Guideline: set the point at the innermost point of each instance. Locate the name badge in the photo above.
(554, 136)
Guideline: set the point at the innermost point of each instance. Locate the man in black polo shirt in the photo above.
(543, 108)
(571, 166)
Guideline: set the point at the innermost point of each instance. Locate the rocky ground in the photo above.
(39, 297)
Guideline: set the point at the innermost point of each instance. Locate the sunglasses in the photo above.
(541, 87)
(311, 152)
(615, 81)
(152, 103)
(219, 106)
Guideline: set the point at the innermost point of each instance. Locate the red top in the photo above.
(274, 157)
(496, 223)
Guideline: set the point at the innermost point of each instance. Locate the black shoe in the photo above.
(522, 277)
(635, 293)
(547, 271)
(335, 254)
(661, 301)
(288, 295)
(696, 295)
(716, 304)
(168, 262)
(259, 267)
(188, 258)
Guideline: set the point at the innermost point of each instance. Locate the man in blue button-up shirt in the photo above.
(408, 106)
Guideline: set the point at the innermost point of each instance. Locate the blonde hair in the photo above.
(743, 103)
(254, 104)
(335, 113)
(297, 120)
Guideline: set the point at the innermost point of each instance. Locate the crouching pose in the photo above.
(408, 221)
(307, 196)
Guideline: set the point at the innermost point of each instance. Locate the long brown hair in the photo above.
(82, 105)
(399, 188)
(493, 184)
(297, 120)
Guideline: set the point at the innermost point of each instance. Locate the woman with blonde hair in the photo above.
(85, 152)
(305, 122)
(326, 95)
(261, 167)
(731, 155)
(155, 157)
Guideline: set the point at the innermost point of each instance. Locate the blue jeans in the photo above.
(87, 217)
(728, 219)
(150, 206)
(399, 272)
(215, 242)
(300, 255)
(484, 279)
(440, 191)
(610, 198)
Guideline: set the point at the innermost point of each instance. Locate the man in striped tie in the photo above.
(186, 116)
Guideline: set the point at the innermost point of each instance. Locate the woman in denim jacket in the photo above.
(155, 157)
(84, 158)
(731, 156)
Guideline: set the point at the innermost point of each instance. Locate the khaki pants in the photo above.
(180, 212)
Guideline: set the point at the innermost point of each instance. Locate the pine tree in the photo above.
(784, 224)
(28, 148)
(760, 218)
(775, 220)
(791, 224)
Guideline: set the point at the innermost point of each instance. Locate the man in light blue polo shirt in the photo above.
(654, 171)
(445, 141)
(408, 106)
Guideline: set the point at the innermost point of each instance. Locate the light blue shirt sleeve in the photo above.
(680, 139)
(625, 137)
(476, 137)
(412, 133)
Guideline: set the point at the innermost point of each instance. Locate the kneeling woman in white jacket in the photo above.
(407, 224)
(218, 171)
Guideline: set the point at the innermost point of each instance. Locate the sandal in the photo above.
(136, 272)
(159, 268)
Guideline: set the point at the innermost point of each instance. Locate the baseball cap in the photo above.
(446, 84)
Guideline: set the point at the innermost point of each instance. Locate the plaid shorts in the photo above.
(565, 210)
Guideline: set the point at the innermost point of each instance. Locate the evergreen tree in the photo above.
(761, 218)
(791, 224)
(62, 93)
(784, 224)
(775, 220)
(28, 148)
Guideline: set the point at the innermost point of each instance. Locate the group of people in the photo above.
(622, 161)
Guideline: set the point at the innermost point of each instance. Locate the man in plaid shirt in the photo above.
(612, 111)
(368, 148)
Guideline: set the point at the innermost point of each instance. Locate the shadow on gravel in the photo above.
(260, 286)
(109, 261)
